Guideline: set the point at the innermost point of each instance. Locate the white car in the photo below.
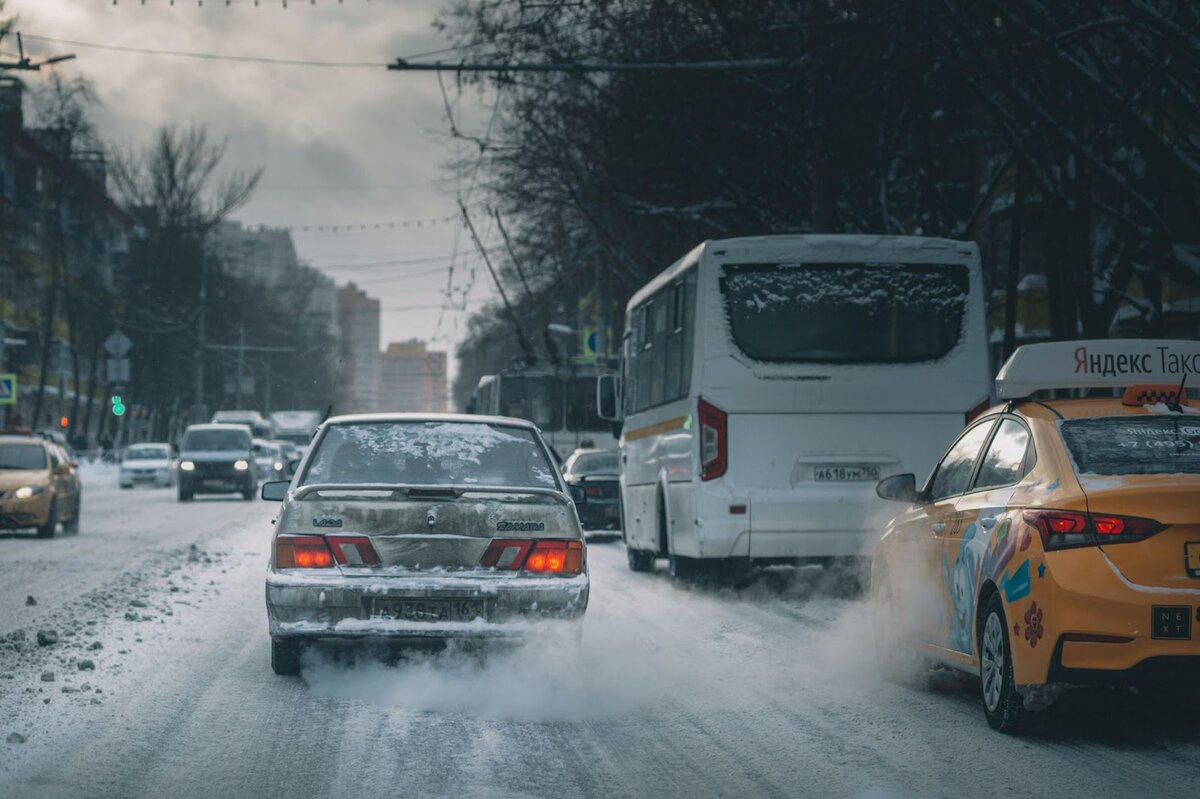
(271, 460)
(147, 464)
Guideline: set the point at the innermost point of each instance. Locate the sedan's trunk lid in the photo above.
(429, 531)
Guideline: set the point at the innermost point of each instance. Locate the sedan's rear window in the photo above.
(22, 456)
(430, 453)
(1121, 445)
(595, 463)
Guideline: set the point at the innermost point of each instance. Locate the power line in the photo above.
(750, 64)
(396, 261)
(250, 59)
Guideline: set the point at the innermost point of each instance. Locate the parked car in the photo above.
(39, 486)
(147, 464)
(217, 459)
(422, 527)
(596, 473)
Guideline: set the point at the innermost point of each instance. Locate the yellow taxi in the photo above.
(39, 486)
(1057, 542)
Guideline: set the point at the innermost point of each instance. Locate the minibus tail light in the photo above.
(714, 441)
(977, 411)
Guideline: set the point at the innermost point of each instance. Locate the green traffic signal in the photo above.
(117, 407)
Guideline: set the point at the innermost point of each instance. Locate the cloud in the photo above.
(317, 131)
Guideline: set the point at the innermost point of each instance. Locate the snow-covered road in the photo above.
(681, 691)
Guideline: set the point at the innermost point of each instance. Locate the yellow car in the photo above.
(1057, 542)
(39, 486)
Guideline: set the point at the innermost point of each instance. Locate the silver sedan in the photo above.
(418, 527)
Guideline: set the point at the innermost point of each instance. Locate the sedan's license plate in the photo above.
(845, 474)
(431, 610)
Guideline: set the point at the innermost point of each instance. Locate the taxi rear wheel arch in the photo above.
(1007, 712)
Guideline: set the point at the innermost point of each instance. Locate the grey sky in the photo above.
(340, 146)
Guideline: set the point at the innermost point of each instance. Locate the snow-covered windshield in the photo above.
(845, 312)
(22, 456)
(215, 440)
(430, 453)
(1122, 445)
(594, 463)
(147, 453)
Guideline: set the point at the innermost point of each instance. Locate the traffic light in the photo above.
(64, 422)
(118, 408)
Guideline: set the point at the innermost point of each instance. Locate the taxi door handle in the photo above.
(938, 528)
(987, 522)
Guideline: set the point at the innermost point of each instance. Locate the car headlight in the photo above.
(187, 466)
(278, 466)
(25, 492)
(241, 465)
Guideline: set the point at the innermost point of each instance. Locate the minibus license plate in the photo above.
(851, 473)
(431, 610)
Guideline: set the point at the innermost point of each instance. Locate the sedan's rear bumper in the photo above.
(303, 604)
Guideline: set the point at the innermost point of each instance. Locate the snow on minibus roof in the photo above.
(834, 247)
(1096, 363)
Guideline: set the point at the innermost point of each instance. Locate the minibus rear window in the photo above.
(845, 312)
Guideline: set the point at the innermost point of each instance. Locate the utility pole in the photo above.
(199, 411)
(241, 361)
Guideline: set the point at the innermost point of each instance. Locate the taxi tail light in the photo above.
(1063, 529)
(714, 441)
(977, 411)
(302, 552)
(353, 550)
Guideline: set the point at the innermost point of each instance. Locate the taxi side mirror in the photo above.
(898, 488)
(275, 491)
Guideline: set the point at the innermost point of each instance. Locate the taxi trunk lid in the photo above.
(1161, 560)
(429, 530)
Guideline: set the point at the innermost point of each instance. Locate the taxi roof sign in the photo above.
(1097, 363)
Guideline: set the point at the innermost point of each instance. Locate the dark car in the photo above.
(594, 472)
(217, 459)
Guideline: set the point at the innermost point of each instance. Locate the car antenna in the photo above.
(1177, 405)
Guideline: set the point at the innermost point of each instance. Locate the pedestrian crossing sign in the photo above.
(8, 389)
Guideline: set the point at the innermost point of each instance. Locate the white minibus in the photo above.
(767, 383)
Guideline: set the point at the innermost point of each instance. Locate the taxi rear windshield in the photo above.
(430, 453)
(1122, 445)
(845, 312)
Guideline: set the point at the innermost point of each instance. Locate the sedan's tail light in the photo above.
(1063, 529)
(353, 550)
(714, 441)
(302, 552)
(546, 556)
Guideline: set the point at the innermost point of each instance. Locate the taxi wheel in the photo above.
(285, 656)
(47, 530)
(898, 662)
(1003, 705)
